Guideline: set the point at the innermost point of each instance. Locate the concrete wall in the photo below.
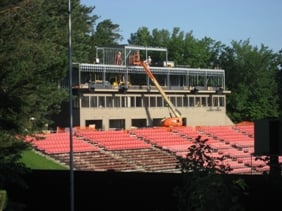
(194, 116)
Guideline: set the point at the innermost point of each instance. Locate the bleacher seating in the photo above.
(151, 149)
(60, 143)
(151, 160)
(96, 161)
(114, 140)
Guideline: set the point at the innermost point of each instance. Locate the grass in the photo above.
(34, 160)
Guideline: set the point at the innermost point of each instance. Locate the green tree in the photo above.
(251, 75)
(141, 37)
(160, 37)
(83, 22)
(279, 77)
(31, 66)
(106, 34)
(33, 58)
(200, 53)
(183, 48)
(205, 184)
(175, 46)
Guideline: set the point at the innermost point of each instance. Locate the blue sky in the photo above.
(260, 21)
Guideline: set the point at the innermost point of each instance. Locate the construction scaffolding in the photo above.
(115, 65)
(128, 55)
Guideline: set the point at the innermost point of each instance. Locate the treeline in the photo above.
(34, 58)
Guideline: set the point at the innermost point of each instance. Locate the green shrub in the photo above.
(206, 185)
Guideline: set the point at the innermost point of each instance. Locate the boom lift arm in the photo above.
(171, 121)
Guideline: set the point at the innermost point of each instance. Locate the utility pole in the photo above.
(70, 110)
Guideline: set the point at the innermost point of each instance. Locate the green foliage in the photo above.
(83, 21)
(34, 59)
(183, 48)
(106, 34)
(31, 64)
(199, 159)
(278, 57)
(142, 37)
(206, 185)
(251, 75)
(11, 169)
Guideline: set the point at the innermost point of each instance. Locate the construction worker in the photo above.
(118, 58)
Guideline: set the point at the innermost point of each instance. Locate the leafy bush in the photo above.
(206, 185)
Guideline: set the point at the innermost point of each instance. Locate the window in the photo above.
(85, 101)
(215, 101)
(93, 101)
(101, 101)
(221, 101)
(146, 101)
(132, 101)
(185, 101)
(191, 101)
(204, 101)
(210, 100)
(138, 102)
(152, 101)
(117, 102)
(179, 101)
(159, 101)
(109, 101)
(198, 101)
(172, 100)
(123, 101)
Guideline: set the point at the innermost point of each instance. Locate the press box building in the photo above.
(114, 92)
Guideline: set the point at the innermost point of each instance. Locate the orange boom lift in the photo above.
(172, 121)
